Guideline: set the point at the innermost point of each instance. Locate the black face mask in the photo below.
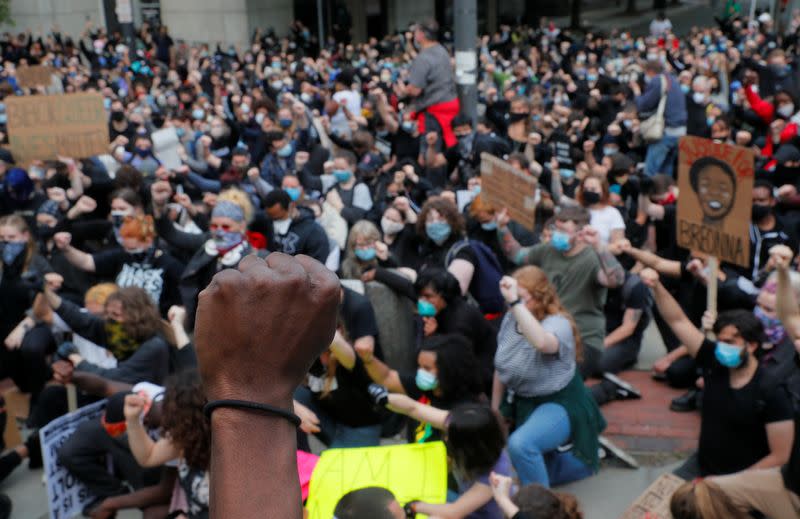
(759, 212)
(45, 232)
(590, 198)
(515, 118)
(117, 117)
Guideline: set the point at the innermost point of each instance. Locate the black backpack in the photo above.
(485, 284)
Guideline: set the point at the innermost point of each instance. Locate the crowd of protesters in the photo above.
(360, 156)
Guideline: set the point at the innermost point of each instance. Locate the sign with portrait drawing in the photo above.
(715, 199)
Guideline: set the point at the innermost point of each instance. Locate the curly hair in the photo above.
(546, 301)
(475, 439)
(183, 419)
(538, 501)
(449, 212)
(142, 320)
(458, 372)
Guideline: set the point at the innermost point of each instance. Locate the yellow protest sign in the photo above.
(412, 472)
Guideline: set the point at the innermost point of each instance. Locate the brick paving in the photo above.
(647, 426)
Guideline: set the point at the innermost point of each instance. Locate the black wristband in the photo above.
(515, 302)
(251, 406)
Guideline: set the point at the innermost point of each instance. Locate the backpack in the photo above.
(485, 284)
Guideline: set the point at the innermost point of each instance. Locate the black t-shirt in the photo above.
(155, 271)
(733, 432)
(348, 401)
(634, 295)
(359, 319)
(791, 471)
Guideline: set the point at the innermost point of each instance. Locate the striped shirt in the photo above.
(527, 371)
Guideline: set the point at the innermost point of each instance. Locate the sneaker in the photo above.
(685, 403)
(624, 390)
(618, 453)
(5, 506)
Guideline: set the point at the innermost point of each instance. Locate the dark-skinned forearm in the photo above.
(247, 450)
(97, 385)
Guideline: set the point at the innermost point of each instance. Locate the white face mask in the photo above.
(390, 227)
(699, 97)
(786, 110)
(281, 227)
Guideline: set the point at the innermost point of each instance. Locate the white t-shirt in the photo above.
(352, 101)
(606, 220)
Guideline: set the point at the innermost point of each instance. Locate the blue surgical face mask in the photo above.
(426, 381)
(609, 150)
(341, 175)
(226, 240)
(285, 151)
(425, 308)
(438, 232)
(293, 192)
(198, 114)
(285, 123)
(106, 103)
(710, 121)
(489, 226)
(366, 254)
(729, 355)
(12, 250)
(560, 241)
(591, 77)
(180, 132)
(476, 190)
(566, 173)
(685, 89)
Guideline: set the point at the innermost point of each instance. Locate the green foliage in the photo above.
(5, 13)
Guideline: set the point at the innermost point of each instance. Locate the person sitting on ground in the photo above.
(533, 501)
(739, 394)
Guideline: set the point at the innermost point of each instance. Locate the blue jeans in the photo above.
(334, 434)
(661, 156)
(533, 448)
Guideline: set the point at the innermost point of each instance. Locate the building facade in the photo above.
(233, 21)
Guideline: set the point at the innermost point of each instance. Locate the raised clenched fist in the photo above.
(62, 240)
(259, 327)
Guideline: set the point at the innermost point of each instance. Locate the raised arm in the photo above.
(516, 253)
(79, 259)
(787, 307)
(402, 404)
(147, 452)
(380, 373)
(611, 273)
(681, 326)
(663, 266)
(529, 325)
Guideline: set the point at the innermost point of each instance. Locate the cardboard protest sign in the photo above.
(413, 471)
(165, 147)
(66, 496)
(43, 127)
(714, 205)
(654, 502)
(504, 186)
(34, 76)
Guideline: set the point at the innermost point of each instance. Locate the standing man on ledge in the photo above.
(431, 86)
(245, 358)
